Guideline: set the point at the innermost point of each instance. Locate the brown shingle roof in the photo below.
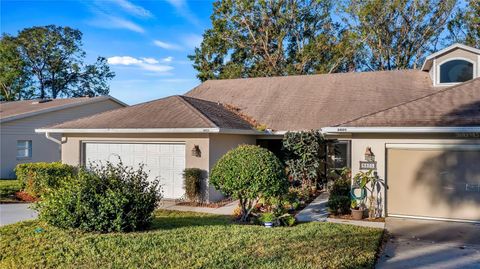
(170, 112)
(454, 106)
(315, 101)
(17, 108)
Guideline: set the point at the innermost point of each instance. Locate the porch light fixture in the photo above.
(369, 156)
(196, 151)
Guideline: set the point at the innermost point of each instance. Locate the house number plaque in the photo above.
(364, 165)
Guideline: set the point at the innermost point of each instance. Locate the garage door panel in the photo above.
(434, 183)
(163, 161)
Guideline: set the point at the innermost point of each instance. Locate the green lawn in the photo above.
(8, 187)
(191, 240)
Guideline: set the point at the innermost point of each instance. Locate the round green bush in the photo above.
(104, 198)
(248, 173)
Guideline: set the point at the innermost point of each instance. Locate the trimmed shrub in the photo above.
(249, 173)
(192, 180)
(9, 187)
(339, 200)
(105, 198)
(39, 178)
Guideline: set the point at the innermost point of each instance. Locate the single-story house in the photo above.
(19, 119)
(423, 127)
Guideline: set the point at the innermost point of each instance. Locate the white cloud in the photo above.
(183, 10)
(106, 21)
(165, 45)
(146, 63)
(133, 9)
(168, 59)
(150, 60)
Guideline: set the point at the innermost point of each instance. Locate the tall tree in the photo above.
(269, 38)
(54, 59)
(465, 27)
(397, 34)
(14, 78)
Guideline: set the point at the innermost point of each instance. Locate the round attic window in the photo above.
(456, 71)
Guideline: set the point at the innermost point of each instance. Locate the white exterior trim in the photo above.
(472, 147)
(437, 71)
(151, 130)
(430, 218)
(447, 49)
(335, 130)
(60, 107)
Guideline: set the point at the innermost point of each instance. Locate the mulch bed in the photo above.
(25, 197)
(349, 217)
(218, 204)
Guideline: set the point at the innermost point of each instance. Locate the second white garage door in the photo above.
(165, 161)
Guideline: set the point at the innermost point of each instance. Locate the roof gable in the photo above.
(170, 112)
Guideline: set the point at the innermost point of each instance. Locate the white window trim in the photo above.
(29, 148)
(437, 70)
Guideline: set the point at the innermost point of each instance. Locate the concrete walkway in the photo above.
(315, 211)
(12, 213)
(224, 210)
(431, 244)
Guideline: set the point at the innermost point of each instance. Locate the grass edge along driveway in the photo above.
(191, 240)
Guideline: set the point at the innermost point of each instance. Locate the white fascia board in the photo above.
(338, 130)
(149, 130)
(447, 49)
(56, 108)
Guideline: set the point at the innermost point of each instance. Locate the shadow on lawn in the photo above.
(174, 221)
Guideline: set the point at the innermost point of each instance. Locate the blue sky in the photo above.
(146, 42)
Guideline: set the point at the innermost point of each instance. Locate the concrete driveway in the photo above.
(12, 213)
(431, 244)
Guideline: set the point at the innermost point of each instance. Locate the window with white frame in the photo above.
(455, 71)
(341, 154)
(24, 148)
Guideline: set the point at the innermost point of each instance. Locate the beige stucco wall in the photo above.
(221, 144)
(43, 150)
(378, 142)
(212, 147)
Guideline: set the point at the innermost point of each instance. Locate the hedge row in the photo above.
(38, 178)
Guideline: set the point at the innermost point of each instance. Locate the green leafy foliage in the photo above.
(271, 38)
(48, 62)
(39, 178)
(267, 217)
(339, 200)
(465, 26)
(192, 179)
(305, 153)
(9, 187)
(248, 173)
(105, 198)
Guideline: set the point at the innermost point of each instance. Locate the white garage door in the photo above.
(163, 161)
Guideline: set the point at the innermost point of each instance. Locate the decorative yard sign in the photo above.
(369, 163)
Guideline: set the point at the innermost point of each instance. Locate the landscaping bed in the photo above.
(191, 240)
(8, 189)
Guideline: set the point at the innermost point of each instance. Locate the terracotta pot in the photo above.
(357, 214)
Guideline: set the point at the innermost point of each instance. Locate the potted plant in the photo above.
(268, 219)
(357, 210)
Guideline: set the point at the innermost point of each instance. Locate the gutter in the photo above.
(403, 130)
(151, 131)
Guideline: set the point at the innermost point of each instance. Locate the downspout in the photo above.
(47, 135)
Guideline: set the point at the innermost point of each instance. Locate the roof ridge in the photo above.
(411, 101)
(195, 110)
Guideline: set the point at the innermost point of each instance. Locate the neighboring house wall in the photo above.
(212, 147)
(378, 143)
(43, 150)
